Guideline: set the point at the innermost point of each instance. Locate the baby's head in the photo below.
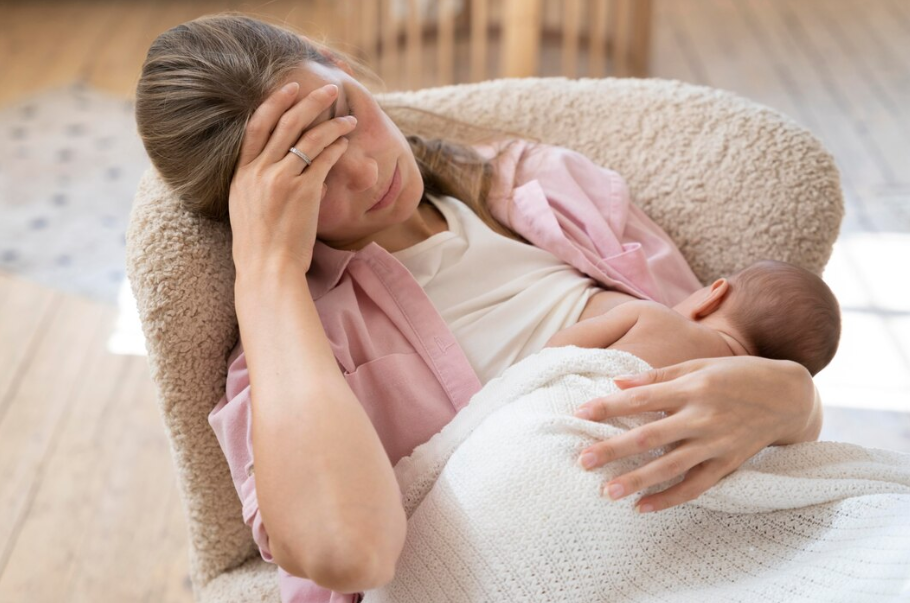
(775, 310)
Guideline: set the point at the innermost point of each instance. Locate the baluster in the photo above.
(521, 35)
(570, 18)
(597, 47)
(479, 32)
(415, 45)
(446, 41)
(388, 22)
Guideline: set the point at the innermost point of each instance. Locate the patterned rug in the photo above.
(70, 160)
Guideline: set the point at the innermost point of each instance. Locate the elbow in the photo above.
(557, 340)
(352, 564)
(352, 570)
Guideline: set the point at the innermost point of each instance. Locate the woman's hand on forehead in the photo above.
(275, 193)
(275, 127)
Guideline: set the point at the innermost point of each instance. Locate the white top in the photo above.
(502, 299)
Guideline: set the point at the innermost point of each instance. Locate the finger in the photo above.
(262, 122)
(656, 434)
(321, 165)
(667, 467)
(314, 141)
(659, 375)
(293, 122)
(651, 398)
(698, 480)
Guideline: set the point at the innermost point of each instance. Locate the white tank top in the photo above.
(502, 299)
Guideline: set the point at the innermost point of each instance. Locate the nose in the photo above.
(355, 170)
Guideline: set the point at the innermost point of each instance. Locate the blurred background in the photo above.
(89, 509)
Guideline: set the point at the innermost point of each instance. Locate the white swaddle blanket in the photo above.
(498, 510)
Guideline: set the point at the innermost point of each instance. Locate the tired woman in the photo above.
(383, 278)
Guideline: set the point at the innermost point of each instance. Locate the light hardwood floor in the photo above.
(89, 509)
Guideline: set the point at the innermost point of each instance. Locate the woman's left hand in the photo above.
(720, 412)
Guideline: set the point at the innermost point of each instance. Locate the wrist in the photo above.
(807, 397)
(272, 266)
(265, 273)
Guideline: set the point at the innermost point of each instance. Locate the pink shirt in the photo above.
(394, 349)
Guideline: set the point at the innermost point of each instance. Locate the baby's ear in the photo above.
(713, 299)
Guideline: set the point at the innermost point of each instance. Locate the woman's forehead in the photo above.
(311, 75)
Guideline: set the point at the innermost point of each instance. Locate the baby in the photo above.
(771, 309)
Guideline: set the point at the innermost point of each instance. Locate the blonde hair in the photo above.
(201, 82)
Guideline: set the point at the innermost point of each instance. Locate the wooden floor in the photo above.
(89, 509)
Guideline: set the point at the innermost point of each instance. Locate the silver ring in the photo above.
(302, 155)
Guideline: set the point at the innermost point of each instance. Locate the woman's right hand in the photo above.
(719, 413)
(274, 196)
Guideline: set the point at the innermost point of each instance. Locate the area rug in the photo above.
(70, 160)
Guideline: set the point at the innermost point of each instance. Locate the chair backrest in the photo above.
(731, 181)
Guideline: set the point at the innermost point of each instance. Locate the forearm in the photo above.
(326, 489)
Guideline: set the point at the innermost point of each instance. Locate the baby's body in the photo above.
(771, 309)
(659, 335)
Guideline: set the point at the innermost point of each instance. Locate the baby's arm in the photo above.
(601, 331)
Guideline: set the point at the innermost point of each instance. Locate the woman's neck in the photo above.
(426, 221)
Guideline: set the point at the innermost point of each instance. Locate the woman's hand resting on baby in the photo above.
(720, 412)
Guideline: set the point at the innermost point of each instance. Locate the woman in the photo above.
(255, 124)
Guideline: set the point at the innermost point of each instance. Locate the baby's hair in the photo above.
(786, 312)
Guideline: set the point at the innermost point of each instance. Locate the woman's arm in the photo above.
(813, 427)
(720, 412)
(326, 488)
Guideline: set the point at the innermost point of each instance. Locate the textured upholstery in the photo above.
(730, 180)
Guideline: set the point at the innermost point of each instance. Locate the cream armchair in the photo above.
(730, 180)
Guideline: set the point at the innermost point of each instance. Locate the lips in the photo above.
(392, 191)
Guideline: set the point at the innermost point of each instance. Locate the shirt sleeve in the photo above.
(582, 212)
(232, 422)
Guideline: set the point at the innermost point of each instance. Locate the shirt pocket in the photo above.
(403, 400)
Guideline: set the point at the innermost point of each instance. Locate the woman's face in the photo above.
(367, 168)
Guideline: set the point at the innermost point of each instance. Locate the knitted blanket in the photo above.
(498, 510)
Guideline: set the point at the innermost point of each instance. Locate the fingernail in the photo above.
(289, 88)
(584, 413)
(351, 119)
(331, 88)
(587, 460)
(646, 508)
(623, 377)
(615, 491)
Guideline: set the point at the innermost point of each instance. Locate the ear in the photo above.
(712, 301)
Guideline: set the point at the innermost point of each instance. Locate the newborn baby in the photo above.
(771, 309)
(498, 511)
